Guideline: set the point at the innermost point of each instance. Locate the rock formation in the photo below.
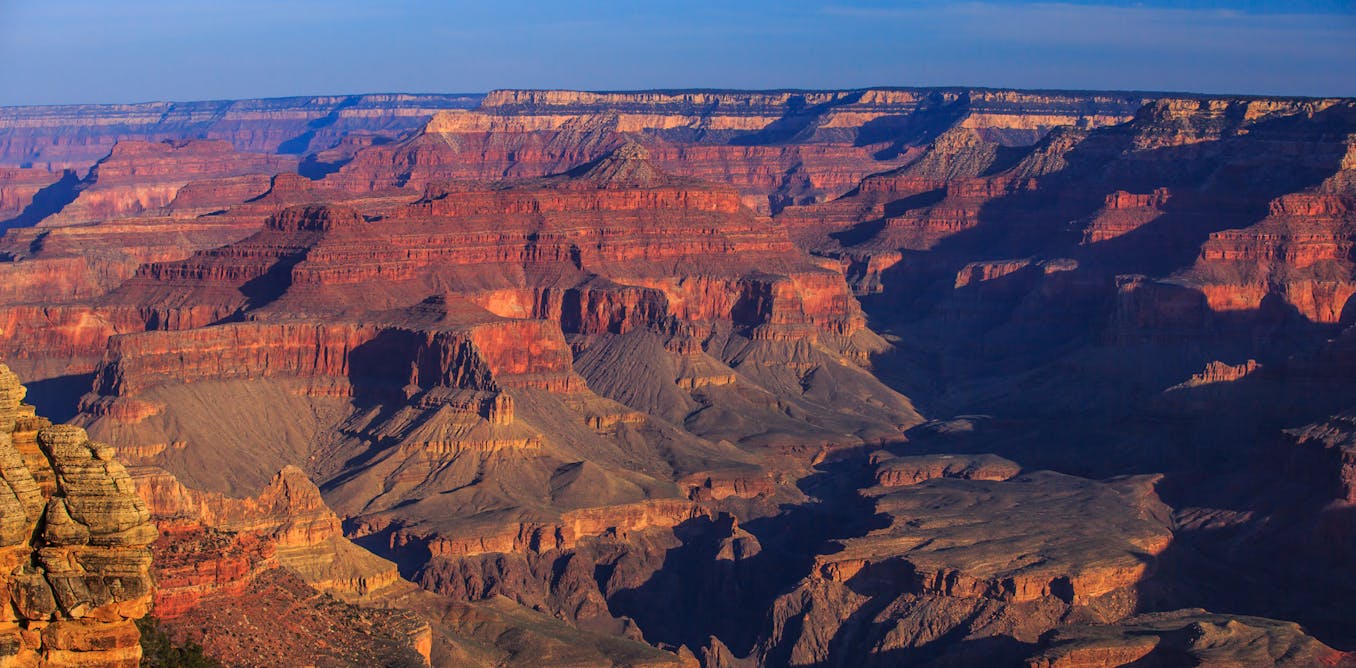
(1187, 637)
(776, 148)
(288, 525)
(263, 580)
(75, 545)
(22, 191)
(968, 560)
(75, 136)
(894, 471)
(440, 337)
(1333, 443)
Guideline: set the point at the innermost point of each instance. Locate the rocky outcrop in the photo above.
(896, 471)
(276, 617)
(144, 202)
(439, 307)
(968, 559)
(614, 521)
(948, 554)
(1325, 452)
(224, 565)
(1300, 253)
(217, 546)
(265, 579)
(824, 115)
(1219, 372)
(1186, 637)
(74, 548)
(142, 177)
(1134, 209)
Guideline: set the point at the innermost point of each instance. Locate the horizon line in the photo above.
(623, 91)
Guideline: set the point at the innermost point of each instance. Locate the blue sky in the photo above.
(138, 50)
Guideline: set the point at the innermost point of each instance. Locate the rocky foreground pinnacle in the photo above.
(75, 542)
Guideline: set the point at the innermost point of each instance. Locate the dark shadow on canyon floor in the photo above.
(695, 596)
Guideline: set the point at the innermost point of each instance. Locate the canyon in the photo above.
(876, 377)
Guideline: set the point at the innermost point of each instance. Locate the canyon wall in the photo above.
(75, 136)
(75, 547)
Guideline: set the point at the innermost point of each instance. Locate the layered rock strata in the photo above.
(776, 148)
(1186, 637)
(74, 553)
(75, 136)
(969, 559)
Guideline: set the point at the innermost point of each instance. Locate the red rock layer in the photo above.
(226, 559)
(1139, 197)
(1302, 252)
(654, 249)
(484, 357)
(616, 521)
(137, 206)
(139, 177)
(824, 151)
(68, 269)
(214, 546)
(18, 185)
(894, 471)
(825, 116)
(764, 175)
(225, 567)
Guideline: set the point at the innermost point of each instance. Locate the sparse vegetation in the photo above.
(159, 650)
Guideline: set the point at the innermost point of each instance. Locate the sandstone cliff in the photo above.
(75, 544)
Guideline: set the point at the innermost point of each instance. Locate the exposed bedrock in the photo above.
(75, 553)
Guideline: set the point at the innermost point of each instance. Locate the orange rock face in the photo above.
(75, 545)
(214, 547)
(903, 471)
